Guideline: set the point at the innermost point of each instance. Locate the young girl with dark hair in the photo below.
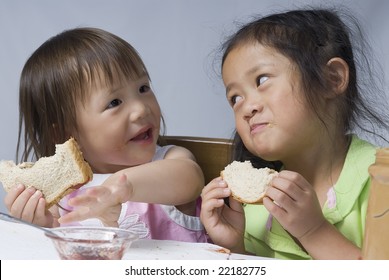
(291, 80)
(92, 85)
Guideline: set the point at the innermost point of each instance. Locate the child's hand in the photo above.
(102, 202)
(225, 225)
(294, 203)
(28, 205)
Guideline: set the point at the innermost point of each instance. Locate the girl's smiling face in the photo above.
(271, 116)
(118, 127)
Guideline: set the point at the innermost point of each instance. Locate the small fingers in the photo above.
(295, 178)
(82, 200)
(95, 192)
(216, 190)
(209, 205)
(274, 208)
(19, 202)
(285, 186)
(12, 195)
(40, 212)
(79, 214)
(213, 195)
(30, 207)
(279, 198)
(211, 185)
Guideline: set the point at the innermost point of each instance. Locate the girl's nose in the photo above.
(138, 110)
(253, 105)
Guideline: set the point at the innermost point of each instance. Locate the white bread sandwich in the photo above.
(247, 184)
(55, 176)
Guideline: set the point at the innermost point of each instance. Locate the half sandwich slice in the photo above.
(55, 176)
(247, 184)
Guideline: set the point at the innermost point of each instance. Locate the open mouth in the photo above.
(145, 135)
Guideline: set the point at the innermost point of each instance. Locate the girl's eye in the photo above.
(261, 80)
(234, 99)
(144, 88)
(114, 103)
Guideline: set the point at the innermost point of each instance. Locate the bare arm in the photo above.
(327, 243)
(175, 180)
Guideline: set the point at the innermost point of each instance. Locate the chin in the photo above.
(147, 156)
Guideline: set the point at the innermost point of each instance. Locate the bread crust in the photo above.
(84, 168)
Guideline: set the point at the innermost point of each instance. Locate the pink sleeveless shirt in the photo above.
(152, 221)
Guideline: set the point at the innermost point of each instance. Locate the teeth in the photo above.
(142, 136)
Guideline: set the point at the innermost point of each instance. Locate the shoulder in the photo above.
(360, 156)
(361, 146)
(172, 152)
(354, 180)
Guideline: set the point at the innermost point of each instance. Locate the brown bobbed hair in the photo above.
(59, 75)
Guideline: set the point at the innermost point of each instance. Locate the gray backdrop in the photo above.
(177, 40)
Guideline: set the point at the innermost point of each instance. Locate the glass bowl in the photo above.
(91, 243)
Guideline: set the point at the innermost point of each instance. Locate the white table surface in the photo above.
(21, 242)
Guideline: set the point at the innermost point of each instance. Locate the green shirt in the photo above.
(347, 211)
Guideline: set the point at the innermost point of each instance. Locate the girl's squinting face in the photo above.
(263, 90)
(119, 127)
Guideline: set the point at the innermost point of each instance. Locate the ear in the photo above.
(338, 75)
